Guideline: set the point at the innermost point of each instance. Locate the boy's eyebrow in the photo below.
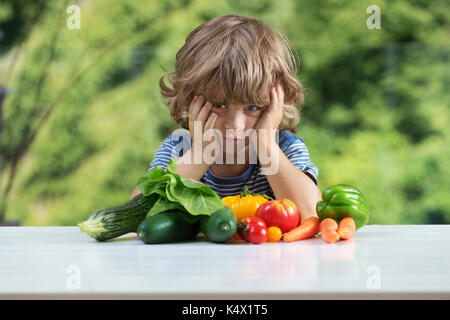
(262, 105)
(245, 104)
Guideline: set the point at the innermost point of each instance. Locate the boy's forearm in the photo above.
(290, 182)
(188, 169)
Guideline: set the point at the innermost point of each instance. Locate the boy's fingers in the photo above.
(194, 109)
(278, 97)
(210, 122)
(209, 126)
(204, 112)
(191, 107)
(274, 103)
(280, 94)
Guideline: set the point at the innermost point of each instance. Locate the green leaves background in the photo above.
(376, 113)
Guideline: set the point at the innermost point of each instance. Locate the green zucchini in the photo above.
(219, 226)
(167, 226)
(110, 223)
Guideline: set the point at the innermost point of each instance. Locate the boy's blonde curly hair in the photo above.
(234, 60)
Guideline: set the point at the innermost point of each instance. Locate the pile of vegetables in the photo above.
(172, 208)
(341, 212)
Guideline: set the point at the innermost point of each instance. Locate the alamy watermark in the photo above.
(73, 281)
(74, 20)
(374, 20)
(374, 279)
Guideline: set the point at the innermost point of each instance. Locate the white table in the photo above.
(385, 262)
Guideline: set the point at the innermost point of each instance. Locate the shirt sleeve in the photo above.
(298, 154)
(173, 147)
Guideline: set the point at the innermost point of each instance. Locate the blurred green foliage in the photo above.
(87, 101)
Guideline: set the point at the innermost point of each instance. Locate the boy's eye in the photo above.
(219, 106)
(253, 108)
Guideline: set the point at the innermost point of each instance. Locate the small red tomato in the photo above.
(253, 229)
(281, 213)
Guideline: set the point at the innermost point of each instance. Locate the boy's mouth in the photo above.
(232, 139)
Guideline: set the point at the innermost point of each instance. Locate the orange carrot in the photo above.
(328, 230)
(346, 228)
(309, 228)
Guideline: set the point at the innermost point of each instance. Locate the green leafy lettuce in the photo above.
(191, 198)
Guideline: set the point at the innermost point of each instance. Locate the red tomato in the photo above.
(253, 229)
(281, 213)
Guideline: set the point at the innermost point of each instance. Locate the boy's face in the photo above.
(234, 120)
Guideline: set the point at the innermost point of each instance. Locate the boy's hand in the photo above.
(271, 118)
(200, 111)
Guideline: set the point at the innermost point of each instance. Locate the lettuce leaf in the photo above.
(176, 192)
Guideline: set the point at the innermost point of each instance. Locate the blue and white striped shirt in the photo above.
(293, 147)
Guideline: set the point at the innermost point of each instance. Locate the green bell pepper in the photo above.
(342, 201)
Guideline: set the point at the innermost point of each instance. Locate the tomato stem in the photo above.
(241, 224)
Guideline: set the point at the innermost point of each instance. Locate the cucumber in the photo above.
(164, 227)
(220, 226)
(110, 223)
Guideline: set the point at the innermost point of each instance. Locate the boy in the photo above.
(236, 77)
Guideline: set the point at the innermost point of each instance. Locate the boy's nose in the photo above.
(235, 121)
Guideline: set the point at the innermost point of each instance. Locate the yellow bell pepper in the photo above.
(244, 205)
